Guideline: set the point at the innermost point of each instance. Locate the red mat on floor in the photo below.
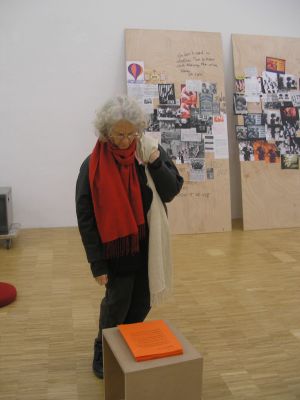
(8, 293)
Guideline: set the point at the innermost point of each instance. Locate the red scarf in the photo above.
(116, 198)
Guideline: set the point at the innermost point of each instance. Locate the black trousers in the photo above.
(126, 301)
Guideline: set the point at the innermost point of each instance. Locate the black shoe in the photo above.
(98, 359)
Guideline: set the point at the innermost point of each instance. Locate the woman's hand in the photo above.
(147, 149)
(102, 279)
(154, 156)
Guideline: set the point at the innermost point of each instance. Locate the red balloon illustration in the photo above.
(135, 70)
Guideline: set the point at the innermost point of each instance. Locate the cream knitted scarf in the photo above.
(160, 268)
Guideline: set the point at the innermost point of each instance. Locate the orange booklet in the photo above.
(150, 339)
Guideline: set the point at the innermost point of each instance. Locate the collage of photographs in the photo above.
(189, 122)
(267, 115)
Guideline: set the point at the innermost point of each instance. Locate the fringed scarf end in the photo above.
(125, 245)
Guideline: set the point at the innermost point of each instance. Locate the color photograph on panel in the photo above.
(177, 77)
(266, 105)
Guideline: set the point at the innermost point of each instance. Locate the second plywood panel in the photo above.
(270, 144)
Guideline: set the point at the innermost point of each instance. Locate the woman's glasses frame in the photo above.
(121, 136)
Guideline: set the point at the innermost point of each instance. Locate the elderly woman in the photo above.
(120, 194)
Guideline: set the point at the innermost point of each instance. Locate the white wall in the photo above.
(61, 59)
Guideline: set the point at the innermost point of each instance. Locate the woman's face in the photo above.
(123, 133)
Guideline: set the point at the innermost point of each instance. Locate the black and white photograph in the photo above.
(201, 127)
(252, 88)
(209, 121)
(261, 131)
(189, 150)
(182, 153)
(148, 101)
(270, 101)
(291, 140)
(273, 118)
(254, 119)
(153, 124)
(283, 147)
(270, 82)
(191, 135)
(289, 129)
(287, 82)
(260, 83)
(209, 88)
(166, 93)
(184, 123)
(256, 132)
(168, 136)
(197, 171)
(279, 133)
(170, 145)
(240, 104)
(196, 149)
(206, 104)
(241, 132)
(274, 123)
(246, 151)
(167, 125)
(284, 96)
(292, 144)
(197, 163)
(168, 112)
(289, 161)
(197, 121)
(295, 98)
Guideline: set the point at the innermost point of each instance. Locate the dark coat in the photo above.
(168, 184)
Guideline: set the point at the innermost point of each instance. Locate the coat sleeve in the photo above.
(165, 176)
(87, 223)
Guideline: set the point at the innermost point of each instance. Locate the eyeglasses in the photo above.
(122, 136)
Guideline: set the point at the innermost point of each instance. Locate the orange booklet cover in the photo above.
(150, 339)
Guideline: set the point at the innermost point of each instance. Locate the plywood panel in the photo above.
(271, 195)
(173, 57)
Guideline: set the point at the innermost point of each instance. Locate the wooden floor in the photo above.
(236, 298)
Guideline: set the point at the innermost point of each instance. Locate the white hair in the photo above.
(116, 109)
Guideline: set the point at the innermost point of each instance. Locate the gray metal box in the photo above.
(6, 217)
